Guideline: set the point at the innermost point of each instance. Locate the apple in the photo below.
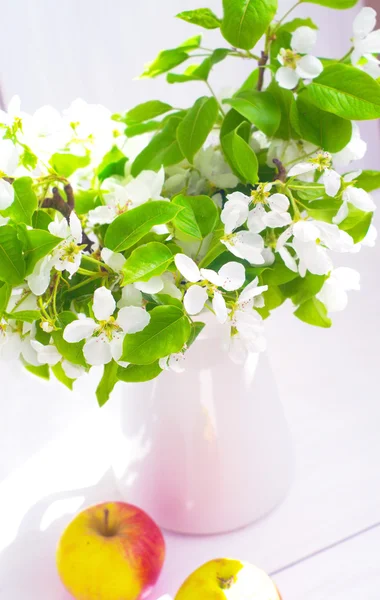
(111, 551)
(226, 578)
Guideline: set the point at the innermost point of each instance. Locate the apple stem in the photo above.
(106, 520)
(226, 584)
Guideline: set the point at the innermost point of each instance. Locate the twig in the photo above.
(261, 64)
(281, 171)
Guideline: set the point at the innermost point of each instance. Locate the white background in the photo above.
(54, 445)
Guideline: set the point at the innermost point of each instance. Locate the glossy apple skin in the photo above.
(111, 551)
(216, 580)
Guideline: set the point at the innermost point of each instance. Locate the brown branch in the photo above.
(281, 171)
(261, 64)
(66, 208)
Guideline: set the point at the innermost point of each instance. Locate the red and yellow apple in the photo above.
(111, 551)
(229, 579)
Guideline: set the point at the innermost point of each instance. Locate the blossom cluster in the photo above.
(118, 233)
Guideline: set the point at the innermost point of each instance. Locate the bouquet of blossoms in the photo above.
(109, 253)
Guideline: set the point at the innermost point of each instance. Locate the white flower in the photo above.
(311, 242)
(246, 324)
(322, 163)
(235, 211)
(294, 66)
(72, 371)
(9, 158)
(46, 355)
(355, 149)
(67, 256)
(214, 169)
(105, 335)
(259, 219)
(366, 42)
(12, 345)
(355, 196)
(288, 151)
(146, 186)
(115, 260)
(334, 291)
(174, 362)
(230, 277)
(247, 245)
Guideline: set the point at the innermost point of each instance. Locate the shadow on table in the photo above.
(27, 565)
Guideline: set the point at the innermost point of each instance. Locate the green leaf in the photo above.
(196, 328)
(273, 298)
(368, 180)
(196, 126)
(25, 202)
(286, 102)
(146, 262)
(26, 316)
(291, 26)
(107, 383)
(41, 219)
(112, 164)
(357, 223)
(39, 244)
(85, 200)
(204, 17)
(260, 108)
(250, 83)
(240, 155)
(131, 226)
(338, 4)
(198, 217)
(5, 294)
(146, 111)
(141, 128)
(313, 312)
(162, 150)
(66, 164)
(324, 129)
(199, 72)
(12, 264)
(215, 249)
(166, 60)
(61, 376)
(302, 289)
(71, 352)
(323, 210)
(278, 274)
(345, 91)
(43, 372)
(139, 373)
(168, 331)
(245, 21)
(192, 43)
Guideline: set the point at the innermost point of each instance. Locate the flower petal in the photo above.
(279, 202)
(220, 308)
(288, 259)
(234, 214)
(195, 299)
(341, 214)
(133, 319)
(275, 219)
(359, 198)
(252, 291)
(301, 168)
(304, 40)
(46, 355)
(256, 219)
(76, 228)
(72, 371)
(102, 215)
(232, 276)
(97, 351)
(115, 260)
(364, 22)
(287, 78)
(153, 286)
(79, 330)
(331, 180)
(104, 304)
(348, 279)
(333, 296)
(130, 296)
(211, 276)
(309, 67)
(7, 194)
(187, 267)
(305, 231)
(176, 363)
